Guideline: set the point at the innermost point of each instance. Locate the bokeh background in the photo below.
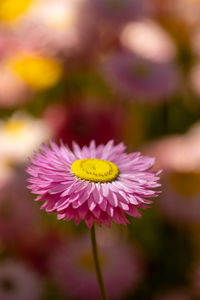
(127, 70)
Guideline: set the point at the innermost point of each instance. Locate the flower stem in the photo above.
(96, 263)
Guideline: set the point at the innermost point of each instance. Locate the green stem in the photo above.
(97, 265)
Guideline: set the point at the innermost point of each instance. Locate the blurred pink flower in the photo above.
(39, 257)
(73, 269)
(171, 152)
(179, 156)
(18, 215)
(8, 42)
(13, 90)
(180, 198)
(84, 121)
(140, 79)
(18, 282)
(95, 184)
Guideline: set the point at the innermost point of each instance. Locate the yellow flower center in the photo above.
(12, 9)
(13, 127)
(38, 72)
(95, 170)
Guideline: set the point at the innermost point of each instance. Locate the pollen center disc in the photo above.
(95, 170)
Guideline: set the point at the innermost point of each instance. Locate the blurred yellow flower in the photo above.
(14, 127)
(185, 183)
(10, 10)
(38, 72)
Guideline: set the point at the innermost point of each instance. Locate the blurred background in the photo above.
(127, 70)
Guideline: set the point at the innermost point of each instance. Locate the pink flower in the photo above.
(99, 184)
(73, 269)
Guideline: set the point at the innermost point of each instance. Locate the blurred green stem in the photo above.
(97, 265)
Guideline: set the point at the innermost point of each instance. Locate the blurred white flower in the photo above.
(52, 25)
(20, 136)
(149, 40)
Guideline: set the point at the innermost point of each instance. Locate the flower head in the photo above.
(99, 184)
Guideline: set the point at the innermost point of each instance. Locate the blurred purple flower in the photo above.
(115, 11)
(18, 215)
(140, 79)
